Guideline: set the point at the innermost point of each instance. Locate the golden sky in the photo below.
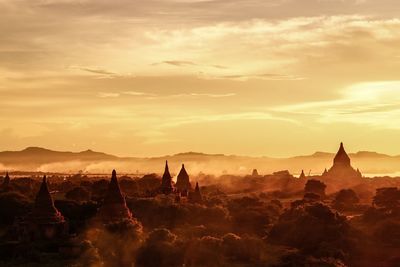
(155, 77)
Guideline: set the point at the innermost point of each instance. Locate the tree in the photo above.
(387, 198)
(316, 187)
(345, 199)
(13, 205)
(79, 194)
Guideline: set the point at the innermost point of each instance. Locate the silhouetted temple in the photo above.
(325, 172)
(182, 182)
(254, 173)
(195, 196)
(114, 209)
(302, 175)
(166, 183)
(45, 222)
(5, 186)
(342, 166)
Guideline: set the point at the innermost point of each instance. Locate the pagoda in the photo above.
(255, 173)
(166, 183)
(183, 185)
(195, 196)
(342, 166)
(5, 186)
(302, 175)
(114, 208)
(45, 222)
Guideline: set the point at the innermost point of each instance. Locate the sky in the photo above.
(156, 77)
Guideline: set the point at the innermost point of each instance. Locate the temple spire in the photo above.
(302, 175)
(182, 182)
(6, 182)
(114, 194)
(44, 208)
(114, 207)
(166, 183)
(341, 157)
(196, 197)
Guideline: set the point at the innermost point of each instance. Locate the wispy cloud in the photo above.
(375, 103)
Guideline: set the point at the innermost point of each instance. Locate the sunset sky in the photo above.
(154, 77)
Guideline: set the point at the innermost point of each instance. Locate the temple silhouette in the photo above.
(166, 182)
(183, 185)
(114, 209)
(45, 222)
(341, 167)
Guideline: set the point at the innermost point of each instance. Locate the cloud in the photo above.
(108, 95)
(374, 103)
(178, 63)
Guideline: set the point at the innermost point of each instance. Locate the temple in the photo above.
(195, 196)
(114, 209)
(342, 166)
(166, 183)
(5, 186)
(45, 222)
(255, 173)
(183, 185)
(302, 175)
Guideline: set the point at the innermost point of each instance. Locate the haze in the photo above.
(144, 78)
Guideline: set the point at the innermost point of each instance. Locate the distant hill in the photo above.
(41, 159)
(38, 155)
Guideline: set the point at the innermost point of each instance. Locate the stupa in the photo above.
(254, 173)
(195, 196)
(302, 175)
(5, 186)
(342, 166)
(183, 185)
(114, 209)
(45, 222)
(166, 183)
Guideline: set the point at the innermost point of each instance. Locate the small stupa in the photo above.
(166, 183)
(302, 175)
(5, 186)
(342, 166)
(254, 173)
(195, 196)
(45, 221)
(183, 185)
(114, 208)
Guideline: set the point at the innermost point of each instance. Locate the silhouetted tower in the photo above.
(166, 183)
(5, 186)
(45, 222)
(341, 167)
(195, 196)
(302, 175)
(325, 172)
(114, 207)
(182, 182)
(254, 173)
(341, 158)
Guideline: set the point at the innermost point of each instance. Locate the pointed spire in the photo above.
(166, 183)
(341, 157)
(302, 175)
(196, 197)
(6, 181)
(114, 194)
(44, 209)
(325, 172)
(114, 205)
(166, 171)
